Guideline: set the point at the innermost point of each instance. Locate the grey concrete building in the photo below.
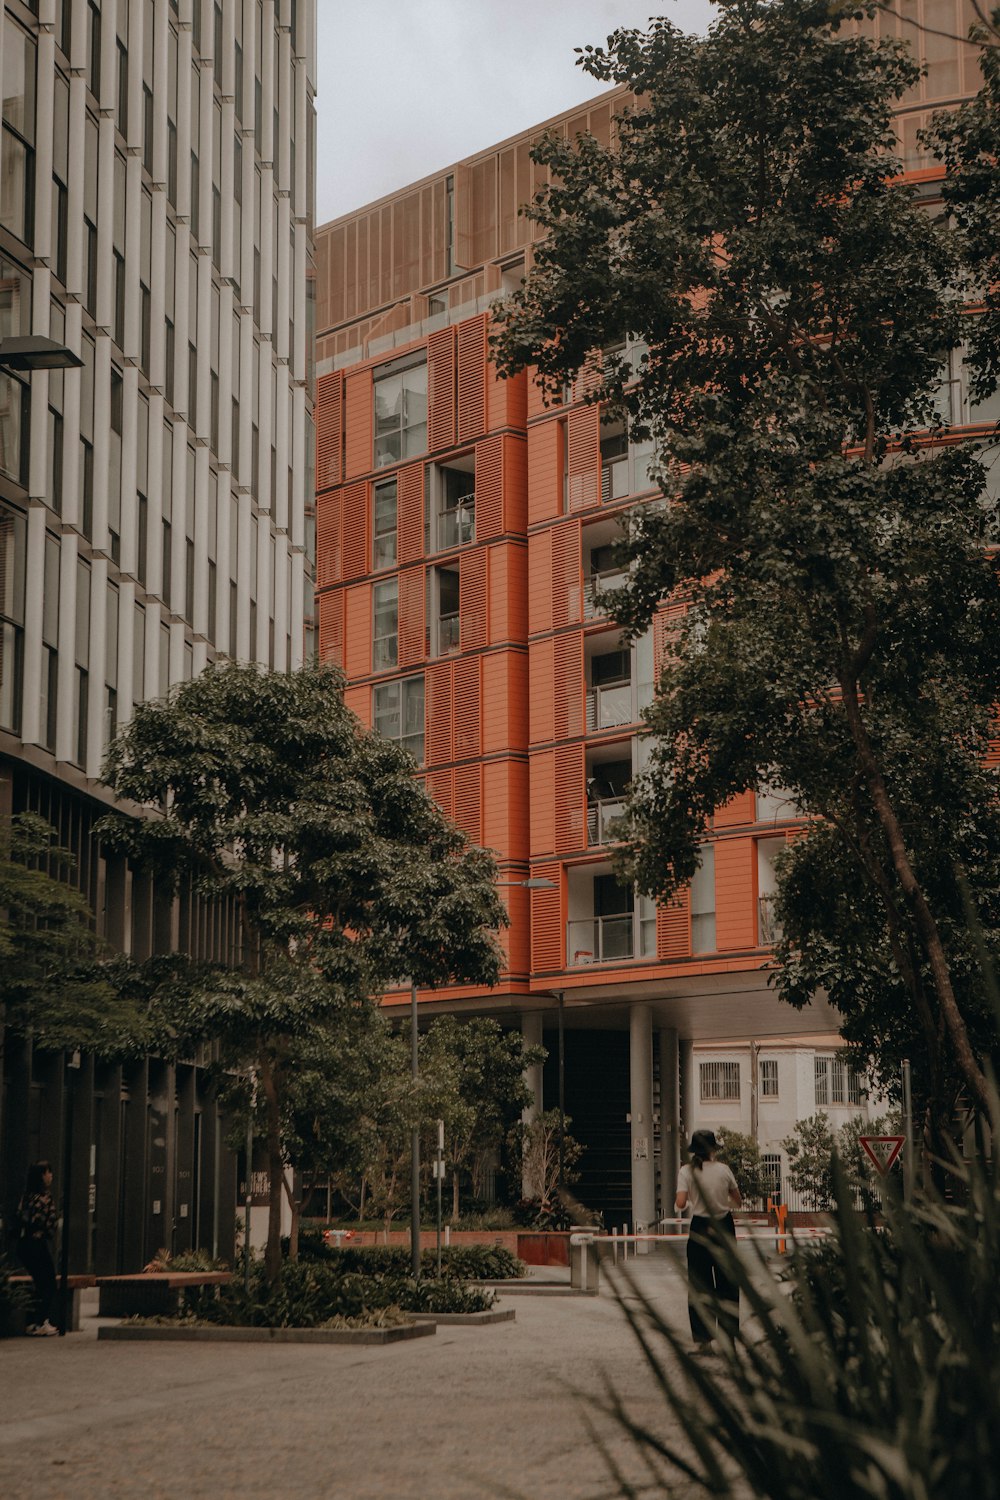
(156, 217)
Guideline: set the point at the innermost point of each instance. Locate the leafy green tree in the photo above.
(810, 1150)
(267, 794)
(842, 628)
(536, 1144)
(742, 1156)
(488, 1090)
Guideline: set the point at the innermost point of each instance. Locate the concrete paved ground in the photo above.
(469, 1414)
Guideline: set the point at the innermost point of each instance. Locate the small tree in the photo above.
(342, 870)
(742, 1156)
(536, 1144)
(810, 1149)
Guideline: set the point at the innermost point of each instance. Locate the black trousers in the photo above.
(36, 1257)
(713, 1297)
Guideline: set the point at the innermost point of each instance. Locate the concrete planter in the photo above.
(126, 1333)
(544, 1247)
(472, 1320)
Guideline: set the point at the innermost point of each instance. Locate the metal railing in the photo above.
(599, 940)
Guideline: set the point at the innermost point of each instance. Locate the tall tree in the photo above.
(795, 301)
(267, 794)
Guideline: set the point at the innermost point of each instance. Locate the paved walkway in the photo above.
(469, 1414)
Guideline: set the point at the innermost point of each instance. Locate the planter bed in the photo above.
(127, 1333)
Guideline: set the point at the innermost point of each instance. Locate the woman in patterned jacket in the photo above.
(37, 1218)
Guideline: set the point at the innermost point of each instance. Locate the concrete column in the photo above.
(670, 1119)
(641, 1098)
(531, 1031)
(687, 1100)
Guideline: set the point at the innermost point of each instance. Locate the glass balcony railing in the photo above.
(596, 587)
(769, 930)
(600, 940)
(456, 523)
(605, 820)
(610, 707)
(448, 635)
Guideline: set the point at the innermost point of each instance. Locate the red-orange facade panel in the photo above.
(358, 402)
(546, 448)
(357, 631)
(735, 914)
(328, 412)
(441, 374)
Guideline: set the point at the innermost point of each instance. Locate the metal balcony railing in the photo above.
(456, 523)
(604, 821)
(600, 940)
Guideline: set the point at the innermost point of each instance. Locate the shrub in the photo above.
(876, 1378)
(471, 1262)
(742, 1156)
(15, 1301)
(309, 1294)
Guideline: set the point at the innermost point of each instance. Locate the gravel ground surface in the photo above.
(469, 1414)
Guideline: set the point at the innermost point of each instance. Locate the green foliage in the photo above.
(751, 228)
(55, 987)
(343, 873)
(742, 1156)
(467, 1262)
(812, 1147)
(877, 1377)
(15, 1302)
(536, 1146)
(310, 1294)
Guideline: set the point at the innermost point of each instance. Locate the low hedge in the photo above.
(468, 1262)
(309, 1293)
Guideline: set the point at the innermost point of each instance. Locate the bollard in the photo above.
(584, 1266)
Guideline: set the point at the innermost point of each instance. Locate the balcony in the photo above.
(610, 707)
(605, 821)
(596, 587)
(605, 940)
(769, 930)
(456, 522)
(448, 635)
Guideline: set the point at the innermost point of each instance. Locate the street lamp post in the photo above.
(31, 351)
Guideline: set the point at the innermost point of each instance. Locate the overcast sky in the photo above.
(406, 87)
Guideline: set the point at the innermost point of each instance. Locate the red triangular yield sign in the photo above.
(882, 1150)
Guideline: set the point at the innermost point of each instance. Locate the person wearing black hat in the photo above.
(709, 1188)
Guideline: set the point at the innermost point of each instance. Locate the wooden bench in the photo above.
(74, 1285)
(149, 1294)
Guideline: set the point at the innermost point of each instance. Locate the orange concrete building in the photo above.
(464, 542)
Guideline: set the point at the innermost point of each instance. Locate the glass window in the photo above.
(384, 512)
(703, 903)
(12, 553)
(398, 713)
(719, 1080)
(769, 1078)
(401, 415)
(386, 625)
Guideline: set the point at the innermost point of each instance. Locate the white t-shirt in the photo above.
(708, 1188)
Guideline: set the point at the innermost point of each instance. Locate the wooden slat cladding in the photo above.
(441, 389)
(468, 801)
(567, 572)
(358, 631)
(489, 488)
(543, 802)
(569, 798)
(737, 811)
(467, 706)
(584, 457)
(472, 379)
(330, 612)
(440, 784)
(329, 528)
(665, 625)
(567, 685)
(437, 736)
(329, 416)
(546, 455)
(735, 917)
(673, 927)
(540, 581)
(546, 925)
(357, 424)
(410, 513)
(472, 598)
(356, 549)
(540, 705)
(412, 629)
(359, 701)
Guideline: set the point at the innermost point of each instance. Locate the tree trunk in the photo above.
(275, 1174)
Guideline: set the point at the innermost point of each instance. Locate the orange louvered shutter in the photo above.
(359, 701)
(735, 908)
(441, 389)
(540, 673)
(545, 471)
(472, 597)
(665, 624)
(515, 484)
(673, 927)
(355, 530)
(992, 757)
(567, 684)
(546, 926)
(330, 608)
(468, 803)
(329, 512)
(439, 784)
(467, 714)
(567, 572)
(540, 581)
(358, 631)
(472, 379)
(410, 512)
(328, 413)
(738, 810)
(569, 798)
(584, 462)
(489, 488)
(412, 631)
(542, 802)
(438, 713)
(357, 424)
